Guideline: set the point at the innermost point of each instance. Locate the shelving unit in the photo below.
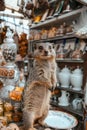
(84, 2)
(68, 36)
(81, 92)
(70, 16)
(56, 21)
(69, 109)
(70, 60)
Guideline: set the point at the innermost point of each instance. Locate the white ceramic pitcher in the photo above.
(64, 99)
(77, 103)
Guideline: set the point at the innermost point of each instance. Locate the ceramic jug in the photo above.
(64, 99)
(77, 103)
(76, 79)
(64, 77)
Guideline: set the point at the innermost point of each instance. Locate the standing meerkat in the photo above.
(42, 78)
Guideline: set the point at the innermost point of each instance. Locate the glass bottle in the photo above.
(9, 48)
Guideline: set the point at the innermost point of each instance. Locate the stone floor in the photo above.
(39, 128)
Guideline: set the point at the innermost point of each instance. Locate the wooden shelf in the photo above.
(67, 36)
(72, 15)
(84, 2)
(70, 60)
(65, 60)
(56, 21)
(68, 108)
(51, 1)
(71, 90)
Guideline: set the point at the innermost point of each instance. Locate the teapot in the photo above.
(64, 99)
(64, 77)
(76, 79)
(77, 103)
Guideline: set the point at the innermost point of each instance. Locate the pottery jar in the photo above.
(64, 77)
(77, 103)
(76, 79)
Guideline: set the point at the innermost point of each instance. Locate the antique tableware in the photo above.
(61, 120)
(64, 77)
(76, 79)
(64, 99)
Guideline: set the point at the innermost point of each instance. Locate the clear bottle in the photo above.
(9, 48)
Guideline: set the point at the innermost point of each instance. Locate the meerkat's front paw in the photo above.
(43, 124)
(50, 84)
(54, 85)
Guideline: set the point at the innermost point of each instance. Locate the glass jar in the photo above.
(17, 115)
(1, 103)
(8, 115)
(8, 106)
(1, 111)
(9, 83)
(1, 107)
(3, 120)
(17, 106)
(9, 48)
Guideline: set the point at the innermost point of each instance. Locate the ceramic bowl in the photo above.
(60, 120)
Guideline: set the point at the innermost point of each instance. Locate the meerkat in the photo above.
(42, 78)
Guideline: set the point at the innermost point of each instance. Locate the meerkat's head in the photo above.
(44, 51)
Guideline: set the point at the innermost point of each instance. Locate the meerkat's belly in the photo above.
(37, 100)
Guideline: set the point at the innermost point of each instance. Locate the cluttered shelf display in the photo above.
(59, 25)
(12, 83)
(70, 51)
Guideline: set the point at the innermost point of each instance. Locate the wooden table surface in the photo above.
(39, 128)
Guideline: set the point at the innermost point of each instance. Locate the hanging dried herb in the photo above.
(43, 4)
(29, 6)
(2, 5)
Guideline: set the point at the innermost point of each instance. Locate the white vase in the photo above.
(64, 77)
(76, 79)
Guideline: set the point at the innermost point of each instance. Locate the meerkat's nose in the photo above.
(46, 53)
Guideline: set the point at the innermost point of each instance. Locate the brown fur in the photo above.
(37, 94)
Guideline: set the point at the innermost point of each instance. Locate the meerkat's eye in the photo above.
(40, 47)
(50, 47)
